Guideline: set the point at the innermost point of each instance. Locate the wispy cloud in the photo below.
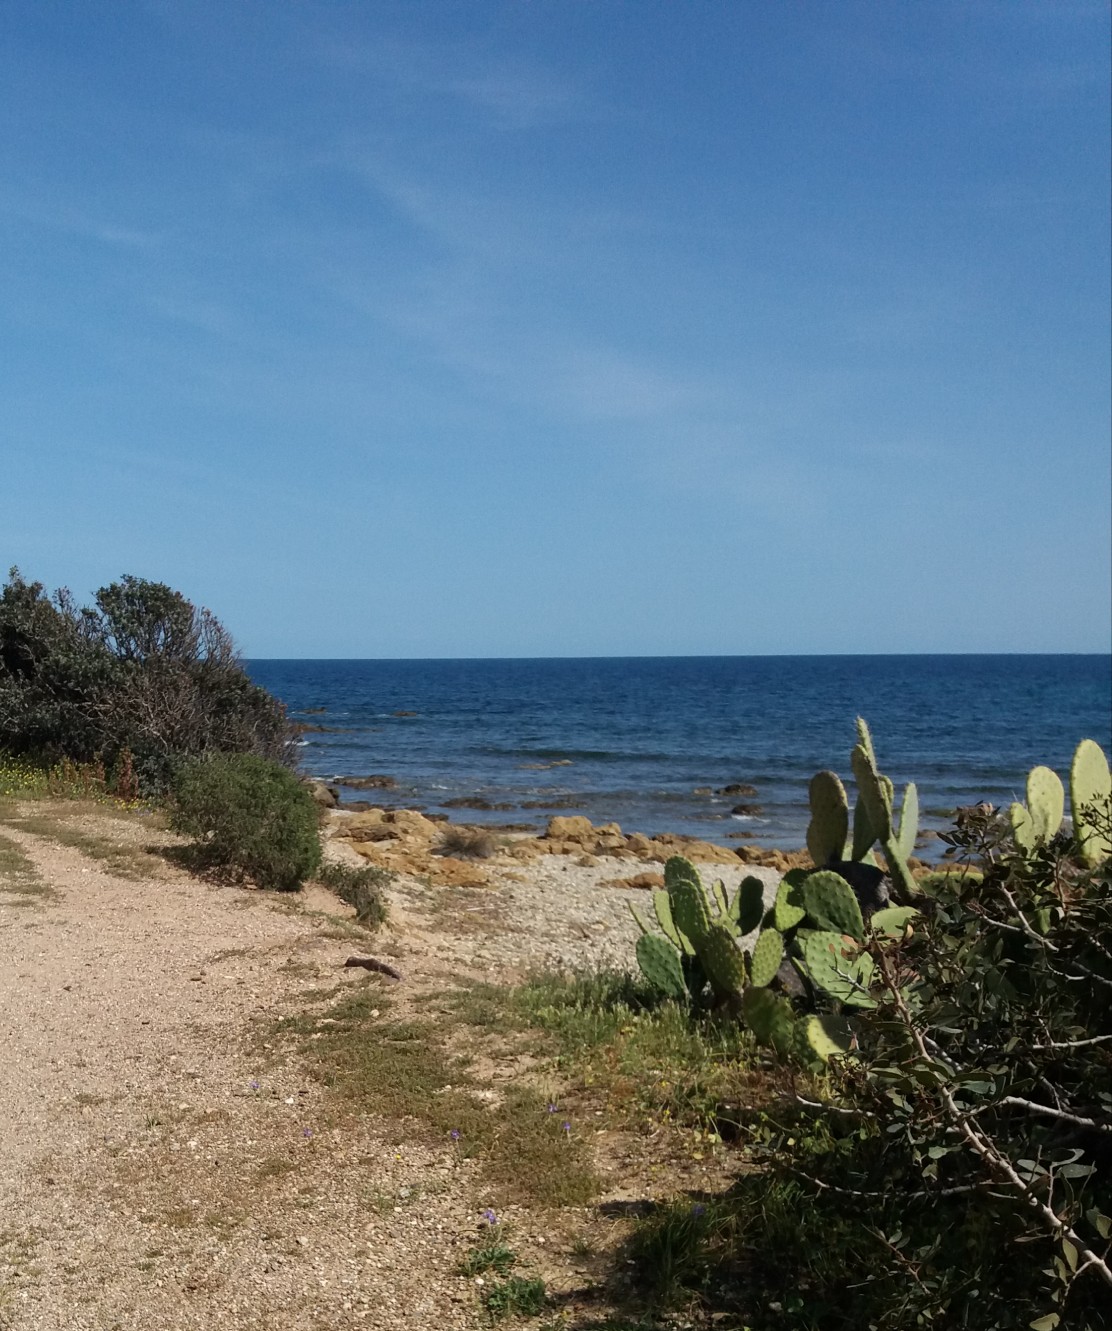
(509, 90)
(73, 222)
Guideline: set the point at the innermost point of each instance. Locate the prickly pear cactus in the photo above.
(770, 1018)
(660, 965)
(662, 905)
(765, 959)
(748, 905)
(642, 923)
(874, 794)
(893, 921)
(680, 870)
(790, 908)
(1038, 821)
(690, 910)
(909, 821)
(1090, 793)
(864, 833)
(722, 959)
(829, 825)
(837, 968)
(823, 1038)
(1046, 802)
(830, 902)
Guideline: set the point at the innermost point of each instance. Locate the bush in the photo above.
(143, 670)
(361, 888)
(251, 816)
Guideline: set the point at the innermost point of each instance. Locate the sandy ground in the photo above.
(160, 1169)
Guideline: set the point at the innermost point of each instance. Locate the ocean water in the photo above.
(650, 742)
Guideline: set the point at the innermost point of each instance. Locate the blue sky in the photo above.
(564, 327)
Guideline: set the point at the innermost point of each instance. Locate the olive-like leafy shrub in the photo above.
(956, 1168)
(250, 816)
(141, 671)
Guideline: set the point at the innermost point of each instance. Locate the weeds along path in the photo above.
(161, 1167)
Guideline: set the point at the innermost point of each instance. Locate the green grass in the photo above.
(19, 878)
(403, 1070)
(647, 1060)
(361, 888)
(56, 824)
(519, 1296)
(490, 1256)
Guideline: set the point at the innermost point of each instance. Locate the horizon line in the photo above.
(697, 656)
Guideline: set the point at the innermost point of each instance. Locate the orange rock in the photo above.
(641, 846)
(410, 823)
(572, 828)
(639, 881)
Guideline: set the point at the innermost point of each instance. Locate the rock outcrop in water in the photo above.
(407, 841)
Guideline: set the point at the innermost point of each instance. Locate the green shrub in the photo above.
(142, 671)
(361, 888)
(251, 816)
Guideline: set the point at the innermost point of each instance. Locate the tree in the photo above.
(142, 670)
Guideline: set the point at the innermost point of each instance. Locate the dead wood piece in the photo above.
(371, 964)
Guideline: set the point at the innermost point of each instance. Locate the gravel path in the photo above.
(160, 1171)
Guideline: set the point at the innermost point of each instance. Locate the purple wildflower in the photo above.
(490, 1217)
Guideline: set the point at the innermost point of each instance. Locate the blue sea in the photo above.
(651, 742)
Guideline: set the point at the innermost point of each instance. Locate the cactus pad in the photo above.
(660, 965)
(677, 869)
(765, 959)
(864, 833)
(789, 909)
(662, 905)
(690, 910)
(830, 902)
(1090, 793)
(829, 825)
(721, 900)
(1046, 802)
(722, 959)
(874, 793)
(837, 969)
(748, 904)
(770, 1018)
(642, 923)
(1023, 827)
(824, 1038)
(893, 920)
(909, 821)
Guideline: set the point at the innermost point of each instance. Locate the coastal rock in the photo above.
(573, 828)
(638, 882)
(374, 782)
(700, 851)
(738, 788)
(325, 796)
(747, 810)
(774, 859)
(641, 846)
(411, 824)
(474, 802)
